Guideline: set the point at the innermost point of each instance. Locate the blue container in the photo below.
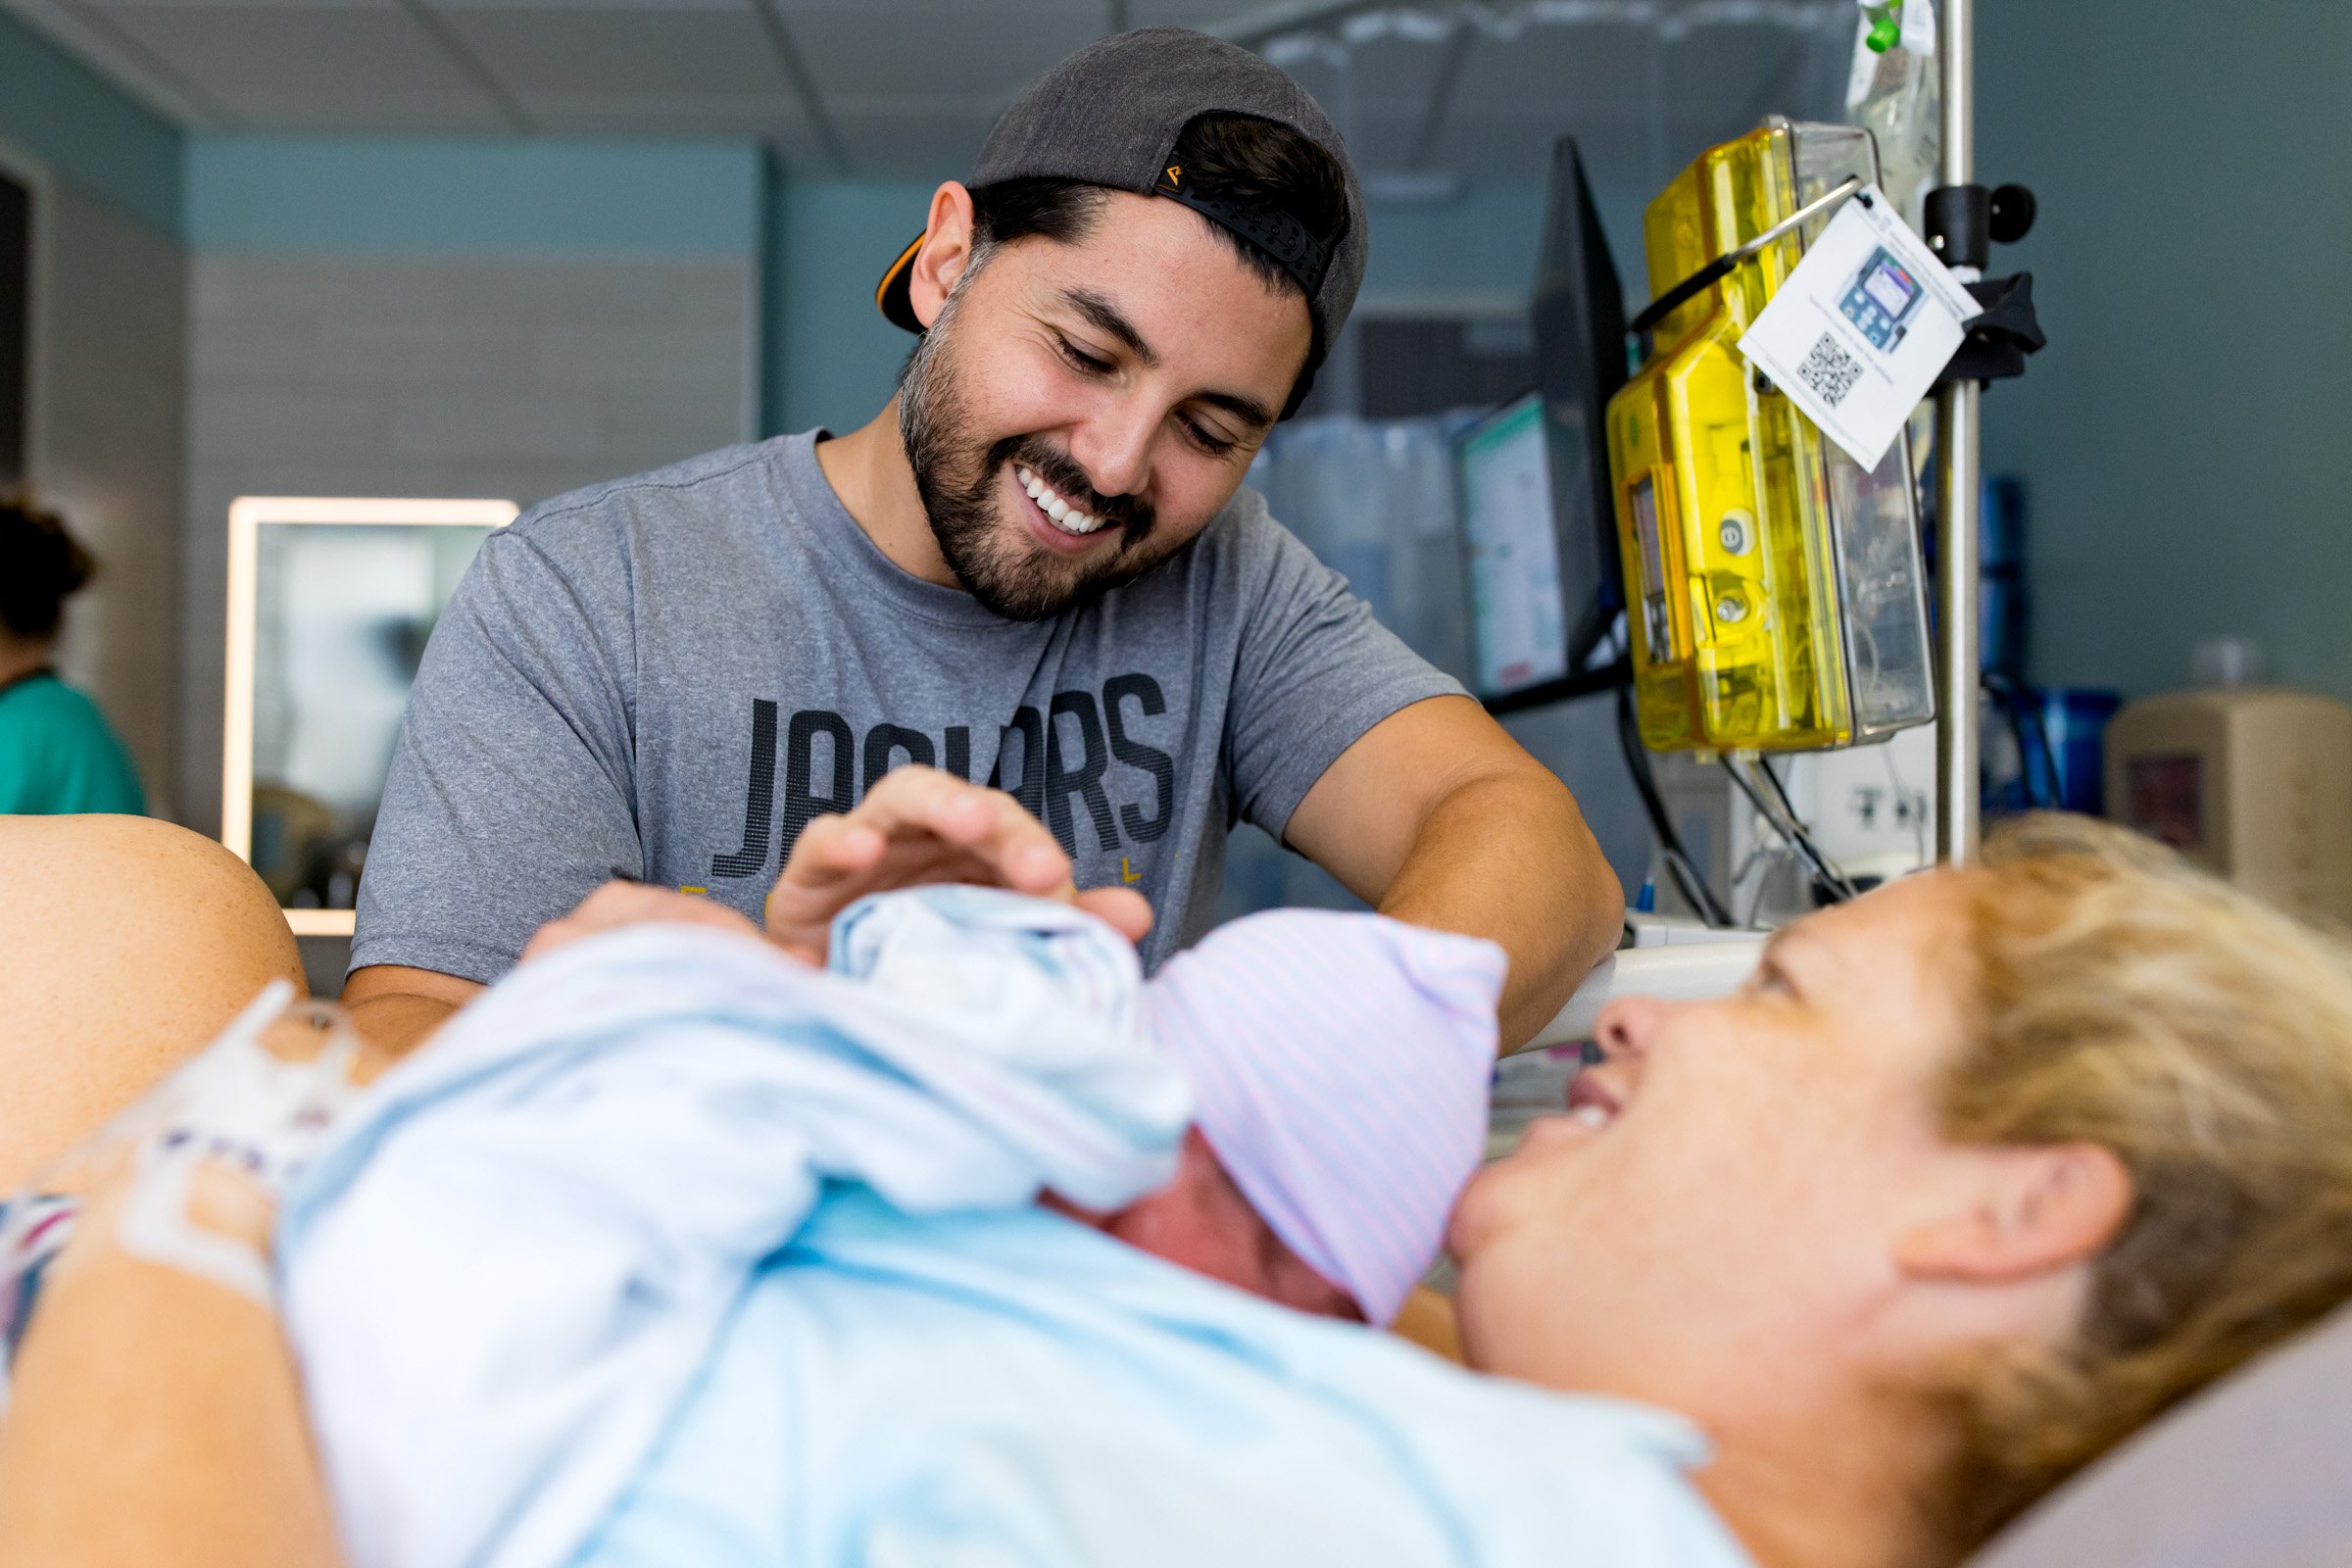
(2001, 578)
(2051, 751)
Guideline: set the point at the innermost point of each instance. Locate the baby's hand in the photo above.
(625, 904)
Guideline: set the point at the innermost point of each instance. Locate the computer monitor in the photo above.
(1519, 604)
(1534, 624)
(1579, 363)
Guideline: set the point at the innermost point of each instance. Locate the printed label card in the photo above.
(1859, 331)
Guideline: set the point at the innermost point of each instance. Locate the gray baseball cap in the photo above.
(1110, 115)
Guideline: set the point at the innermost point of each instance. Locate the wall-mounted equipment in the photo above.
(329, 605)
(2254, 783)
(1775, 587)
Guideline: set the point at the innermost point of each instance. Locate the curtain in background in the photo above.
(1375, 500)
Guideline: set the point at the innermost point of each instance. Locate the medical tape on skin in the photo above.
(236, 1103)
(155, 1226)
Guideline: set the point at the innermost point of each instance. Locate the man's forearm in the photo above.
(1511, 858)
(398, 1023)
(155, 1422)
(397, 1007)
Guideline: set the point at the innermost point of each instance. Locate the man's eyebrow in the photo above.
(1106, 315)
(1248, 410)
(1107, 318)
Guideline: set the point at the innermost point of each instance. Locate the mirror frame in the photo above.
(246, 517)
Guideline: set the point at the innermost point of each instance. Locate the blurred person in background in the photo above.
(58, 753)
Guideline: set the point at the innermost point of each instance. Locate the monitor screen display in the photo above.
(1518, 611)
(1892, 287)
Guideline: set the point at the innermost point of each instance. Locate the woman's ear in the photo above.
(947, 251)
(2023, 1212)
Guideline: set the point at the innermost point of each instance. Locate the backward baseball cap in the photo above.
(1111, 116)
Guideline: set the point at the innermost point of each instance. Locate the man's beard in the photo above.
(988, 553)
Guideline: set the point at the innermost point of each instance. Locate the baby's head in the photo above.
(1341, 1065)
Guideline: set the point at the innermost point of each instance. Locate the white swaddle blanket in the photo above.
(501, 1277)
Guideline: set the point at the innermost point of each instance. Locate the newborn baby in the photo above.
(1339, 1066)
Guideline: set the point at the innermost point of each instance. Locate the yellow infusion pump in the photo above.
(1774, 588)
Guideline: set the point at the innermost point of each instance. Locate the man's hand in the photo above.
(619, 903)
(916, 825)
(1437, 817)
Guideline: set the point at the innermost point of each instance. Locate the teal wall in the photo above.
(831, 358)
(1482, 242)
(443, 197)
(2184, 434)
(1485, 242)
(87, 131)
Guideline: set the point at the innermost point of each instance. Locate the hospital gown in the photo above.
(668, 1251)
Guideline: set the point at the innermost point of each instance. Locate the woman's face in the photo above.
(1717, 1216)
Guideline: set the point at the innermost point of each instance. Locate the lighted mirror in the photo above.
(329, 605)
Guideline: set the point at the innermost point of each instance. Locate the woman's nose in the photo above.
(1626, 1025)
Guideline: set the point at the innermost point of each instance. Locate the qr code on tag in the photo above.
(1830, 370)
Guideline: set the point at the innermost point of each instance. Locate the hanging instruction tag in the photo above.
(1859, 331)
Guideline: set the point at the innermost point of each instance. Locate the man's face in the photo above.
(1132, 375)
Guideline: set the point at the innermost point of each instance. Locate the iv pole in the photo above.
(1958, 495)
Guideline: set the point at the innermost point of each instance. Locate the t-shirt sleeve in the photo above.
(510, 795)
(1316, 671)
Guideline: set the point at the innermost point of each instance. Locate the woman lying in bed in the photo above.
(1976, 1176)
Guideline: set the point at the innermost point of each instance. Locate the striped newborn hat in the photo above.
(1341, 1064)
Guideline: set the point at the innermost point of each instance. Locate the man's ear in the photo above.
(2023, 1212)
(947, 251)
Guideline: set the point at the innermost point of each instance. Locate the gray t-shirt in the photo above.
(666, 677)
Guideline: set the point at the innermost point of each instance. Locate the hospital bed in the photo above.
(2248, 1473)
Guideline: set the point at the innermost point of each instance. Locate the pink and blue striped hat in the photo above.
(1341, 1064)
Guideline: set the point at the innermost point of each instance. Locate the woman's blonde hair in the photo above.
(2124, 999)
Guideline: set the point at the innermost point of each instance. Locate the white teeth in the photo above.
(1066, 518)
(1590, 1116)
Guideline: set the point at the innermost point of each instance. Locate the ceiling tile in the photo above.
(983, 12)
(1206, 15)
(698, 115)
(965, 53)
(912, 85)
(254, 5)
(341, 67)
(655, 7)
(676, 53)
(119, 59)
(901, 146)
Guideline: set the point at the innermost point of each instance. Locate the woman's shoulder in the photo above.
(56, 742)
(44, 695)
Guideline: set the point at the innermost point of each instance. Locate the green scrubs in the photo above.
(58, 753)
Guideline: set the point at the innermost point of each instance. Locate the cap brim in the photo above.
(891, 296)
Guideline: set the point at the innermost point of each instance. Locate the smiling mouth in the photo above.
(1059, 512)
(1589, 1104)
